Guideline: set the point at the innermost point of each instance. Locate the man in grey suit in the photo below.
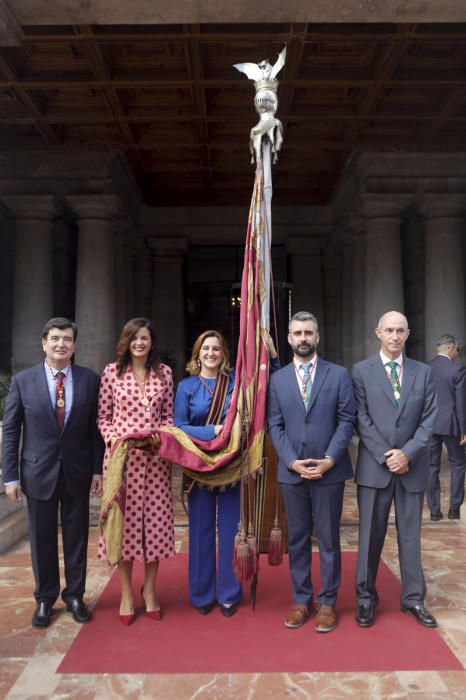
(397, 408)
(450, 427)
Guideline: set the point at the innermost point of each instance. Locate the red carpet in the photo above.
(186, 642)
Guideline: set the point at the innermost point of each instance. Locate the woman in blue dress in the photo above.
(209, 509)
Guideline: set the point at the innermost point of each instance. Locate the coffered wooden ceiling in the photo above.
(169, 98)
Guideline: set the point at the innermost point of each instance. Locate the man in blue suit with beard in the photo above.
(311, 414)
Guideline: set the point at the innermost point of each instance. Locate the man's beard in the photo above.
(304, 349)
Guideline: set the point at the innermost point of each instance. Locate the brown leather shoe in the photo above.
(298, 615)
(326, 619)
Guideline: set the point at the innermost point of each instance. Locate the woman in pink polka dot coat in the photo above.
(136, 393)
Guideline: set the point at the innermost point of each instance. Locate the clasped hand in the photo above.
(312, 468)
(397, 461)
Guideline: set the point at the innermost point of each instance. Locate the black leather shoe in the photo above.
(42, 614)
(454, 514)
(78, 609)
(436, 516)
(205, 609)
(228, 610)
(365, 615)
(421, 615)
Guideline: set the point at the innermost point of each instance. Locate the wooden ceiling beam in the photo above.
(88, 117)
(118, 83)
(377, 33)
(195, 71)
(432, 129)
(171, 99)
(110, 96)
(294, 57)
(384, 69)
(25, 100)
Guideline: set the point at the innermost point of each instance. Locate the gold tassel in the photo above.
(235, 547)
(275, 554)
(241, 560)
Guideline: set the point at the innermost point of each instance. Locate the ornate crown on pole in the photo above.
(266, 84)
(269, 128)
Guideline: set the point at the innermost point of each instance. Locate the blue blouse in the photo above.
(192, 405)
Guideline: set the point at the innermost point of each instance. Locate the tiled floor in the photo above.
(29, 657)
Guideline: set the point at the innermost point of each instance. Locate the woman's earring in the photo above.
(198, 363)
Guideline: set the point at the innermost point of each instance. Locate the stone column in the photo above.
(306, 276)
(346, 300)
(142, 275)
(383, 262)
(122, 263)
(413, 247)
(331, 333)
(444, 303)
(128, 252)
(64, 267)
(33, 276)
(358, 319)
(95, 279)
(168, 300)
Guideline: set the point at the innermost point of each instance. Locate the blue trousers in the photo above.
(308, 504)
(209, 511)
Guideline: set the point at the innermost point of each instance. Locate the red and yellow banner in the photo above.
(218, 462)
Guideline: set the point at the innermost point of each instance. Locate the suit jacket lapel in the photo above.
(77, 394)
(319, 379)
(292, 383)
(380, 376)
(407, 381)
(43, 394)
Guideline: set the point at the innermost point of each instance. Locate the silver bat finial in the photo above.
(266, 104)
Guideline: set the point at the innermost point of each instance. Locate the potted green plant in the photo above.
(5, 380)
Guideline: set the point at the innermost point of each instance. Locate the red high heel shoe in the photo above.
(153, 614)
(126, 619)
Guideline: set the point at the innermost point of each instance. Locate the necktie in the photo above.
(394, 381)
(60, 399)
(306, 382)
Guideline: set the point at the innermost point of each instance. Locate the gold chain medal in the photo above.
(144, 400)
(61, 389)
(396, 383)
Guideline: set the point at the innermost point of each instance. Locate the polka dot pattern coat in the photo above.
(148, 532)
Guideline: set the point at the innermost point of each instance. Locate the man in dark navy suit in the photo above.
(311, 413)
(55, 406)
(450, 427)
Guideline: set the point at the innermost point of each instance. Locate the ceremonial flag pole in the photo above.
(237, 453)
(265, 139)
